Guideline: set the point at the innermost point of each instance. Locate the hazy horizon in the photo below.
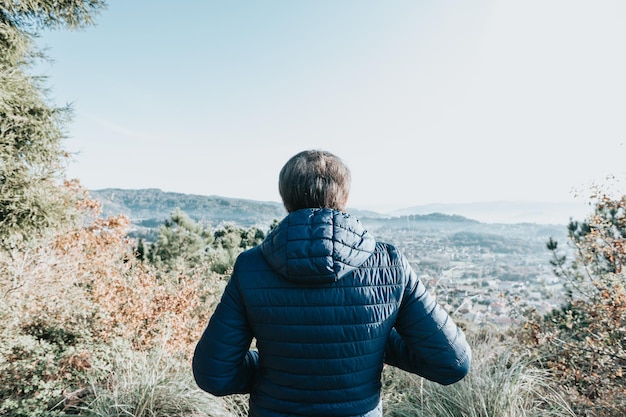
(485, 211)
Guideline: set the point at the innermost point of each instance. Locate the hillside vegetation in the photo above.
(92, 327)
(96, 322)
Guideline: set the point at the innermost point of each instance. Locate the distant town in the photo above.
(489, 275)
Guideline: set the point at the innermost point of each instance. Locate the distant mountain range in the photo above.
(507, 211)
(149, 207)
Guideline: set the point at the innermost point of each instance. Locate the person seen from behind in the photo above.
(328, 306)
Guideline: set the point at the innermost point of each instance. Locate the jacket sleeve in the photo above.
(222, 362)
(425, 340)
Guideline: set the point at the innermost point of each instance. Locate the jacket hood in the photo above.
(317, 245)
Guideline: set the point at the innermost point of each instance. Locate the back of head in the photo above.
(314, 179)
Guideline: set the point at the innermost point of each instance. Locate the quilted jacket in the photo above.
(327, 306)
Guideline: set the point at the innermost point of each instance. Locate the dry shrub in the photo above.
(149, 310)
(584, 341)
(127, 298)
(67, 298)
(584, 344)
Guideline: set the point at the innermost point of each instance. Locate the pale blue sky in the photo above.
(427, 101)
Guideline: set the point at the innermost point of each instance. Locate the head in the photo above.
(314, 179)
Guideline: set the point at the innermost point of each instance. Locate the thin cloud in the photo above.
(121, 130)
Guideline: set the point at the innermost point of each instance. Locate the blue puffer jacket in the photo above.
(327, 305)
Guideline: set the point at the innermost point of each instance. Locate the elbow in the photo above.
(206, 380)
(458, 371)
(217, 386)
(224, 378)
(210, 384)
(217, 391)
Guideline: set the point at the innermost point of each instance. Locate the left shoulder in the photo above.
(250, 259)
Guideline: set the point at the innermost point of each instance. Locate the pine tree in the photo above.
(181, 239)
(33, 194)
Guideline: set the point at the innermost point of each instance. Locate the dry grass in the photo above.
(501, 383)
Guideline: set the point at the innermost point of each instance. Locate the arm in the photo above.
(222, 363)
(425, 340)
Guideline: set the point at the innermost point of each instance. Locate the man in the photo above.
(328, 306)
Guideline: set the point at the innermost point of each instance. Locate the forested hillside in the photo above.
(150, 207)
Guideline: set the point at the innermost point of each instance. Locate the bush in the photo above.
(584, 341)
(68, 298)
(182, 244)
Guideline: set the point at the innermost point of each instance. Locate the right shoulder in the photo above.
(388, 254)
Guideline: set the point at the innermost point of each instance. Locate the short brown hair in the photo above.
(314, 179)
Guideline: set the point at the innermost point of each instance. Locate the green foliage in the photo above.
(55, 14)
(37, 372)
(181, 240)
(30, 157)
(230, 241)
(183, 243)
(584, 341)
(32, 195)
